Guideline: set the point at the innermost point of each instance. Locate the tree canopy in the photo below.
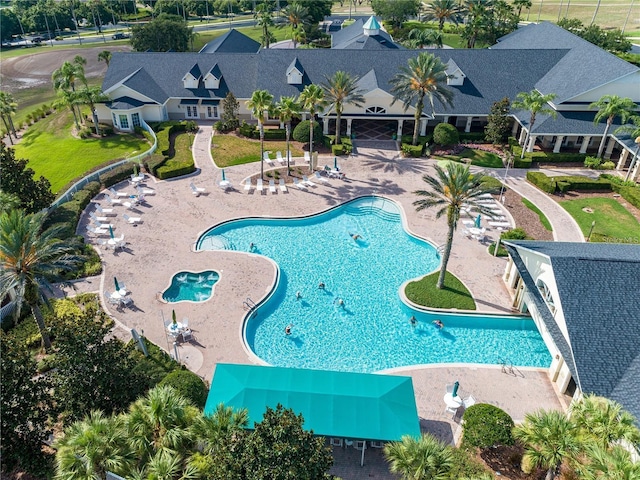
(396, 12)
(165, 32)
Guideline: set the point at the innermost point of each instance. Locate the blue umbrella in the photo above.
(115, 281)
(111, 232)
(335, 163)
(477, 222)
(454, 393)
(223, 177)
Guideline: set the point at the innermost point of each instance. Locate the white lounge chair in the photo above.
(321, 179)
(131, 219)
(272, 186)
(307, 182)
(307, 157)
(225, 185)
(118, 194)
(283, 187)
(137, 178)
(113, 201)
(97, 231)
(265, 158)
(145, 191)
(103, 211)
(279, 158)
(135, 201)
(187, 335)
(197, 190)
(299, 184)
(98, 224)
(470, 400)
(259, 185)
(248, 185)
(98, 219)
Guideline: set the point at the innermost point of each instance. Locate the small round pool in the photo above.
(191, 287)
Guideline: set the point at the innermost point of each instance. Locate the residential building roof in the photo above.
(231, 42)
(354, 37)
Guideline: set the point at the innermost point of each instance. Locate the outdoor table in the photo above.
(451, 401)
(175, 328)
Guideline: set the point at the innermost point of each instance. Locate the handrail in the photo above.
(95, 176)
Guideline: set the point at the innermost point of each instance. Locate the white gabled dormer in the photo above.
(371, 27)
(212, 78)
(192, 78)
(455, 76)
(295, 72)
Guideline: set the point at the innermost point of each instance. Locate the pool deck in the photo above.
(173, 219)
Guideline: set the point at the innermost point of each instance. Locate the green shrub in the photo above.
(224, 127)
(47, 363)
(465, 464)
(474, 137)
(301, 132)
(609, 165)
(116, 175)
(631, 195)
(515, 234)
(337, 150)
(541, 181)
(485, 426)
(548, 157)
(522, 162)
(106, 130)
(412, 150)
(615, 180)
(189, 385)
(91, 265)
(592, 162)
(173, 169)
(422, 140)
(446, 134)
(579, 183)
(152, 163)
(248, 130)
(275, 134)
(491, 184)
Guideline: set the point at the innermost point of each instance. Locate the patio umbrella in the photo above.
(477, 221)
(115, 281)
(135, 169)
(454, 393)
(111, 231)
(223, 176)
(335, 163)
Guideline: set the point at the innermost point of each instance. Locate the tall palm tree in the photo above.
(92, 447)
(31, 258)
(633, 129)
(522, 4)
(419, 459)
(221, 424)
(287, 109)
(341, 89)
(66, 77)
(8, 108)
(549, 438)
(312, 99)
(451, 188)
(610, 464)
(296, 16)
(105, 56)
(605, 421)
(422, 37)
(260, 102)
(67, 98)
(609, 107)
(424, 76)
(265, 20)
(90, 96)
(444, 11)
(8, 202)
(535, 103)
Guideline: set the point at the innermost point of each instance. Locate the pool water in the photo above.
(371, 330)
(191, 286)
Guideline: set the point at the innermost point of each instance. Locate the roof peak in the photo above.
(371, 27)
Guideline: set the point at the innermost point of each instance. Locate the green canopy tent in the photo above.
(333, 404)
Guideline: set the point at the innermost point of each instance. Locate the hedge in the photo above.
(412, 150)
(549, 157)
(161, 165)
(68, 214)
(579, 183)
(275, 134)
(486, 426)
(118, 174)
(541, 181)
(152, 163)
(473, 137)
(422, 140)
(491, 184)
(173, 169)
(630, 194)
(522, 162)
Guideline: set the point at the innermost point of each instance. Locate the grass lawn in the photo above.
(613, 222)
(453, 295)
(230, 150)
(55, 154)
(477, 157)
(543, 219)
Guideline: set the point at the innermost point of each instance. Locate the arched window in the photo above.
(376, 110)
(546, 295)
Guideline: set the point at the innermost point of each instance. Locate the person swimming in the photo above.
(252, 247)
(340, 302)
(298, 295)
(355, 236)
(287, 329)
(438, 323)
(321, 285)
(413, 321)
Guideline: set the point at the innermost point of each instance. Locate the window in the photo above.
(135, 119)
(546, 295)
(115, 120)
(124, 122)
(376, 110)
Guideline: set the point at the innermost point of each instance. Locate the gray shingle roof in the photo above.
(598, 284)
(353, 38)
(584, 61)
(231, 42)
(124, 103)
(565, 123)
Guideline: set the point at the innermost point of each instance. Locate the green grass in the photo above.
(230, 150)
(543, 219)
(58, 156)
(477, 157)
(613, 222)
(453, 295)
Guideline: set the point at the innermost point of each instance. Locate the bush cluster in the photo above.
(409, 150)
(189, 385)
(541, 181)
(248, 130)
(466, 137)
(225, 127)
(161, 164)
(301, 132)
(275, 134)
(422, 139)
(446, 134)
(485, 426)
(568, 183)
(598, 164)
(548, 157)
(491, 184)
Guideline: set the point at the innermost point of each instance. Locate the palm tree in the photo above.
(296, 15)
(609, 107)
(422, 37)
(419, 459)
(92, 447)
(535, 103)
(549, 438)
(341, 89)
(105, 56)
(67, 98)
(444, 11)
(522, 4)
(451, 188)
(260, 102)
(605, 421)
(633, 129)
(221, 424)
(265, 20)
(8, 202)
(425, 76)
(8, 108)
(312, 99)
(90, 96)
(287, 109)
(31, 258)
(65, 77)
(613, 464)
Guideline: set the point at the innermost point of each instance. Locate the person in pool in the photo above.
(321, 285)
(287, 329)
(413, 321)
(438, 323)
(355, 236)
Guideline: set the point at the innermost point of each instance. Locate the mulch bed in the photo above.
(525, 218)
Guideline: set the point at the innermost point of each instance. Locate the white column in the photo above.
(423, 126)
(399, 132)
(349, 120)
(585, 144)
(325, 126)
(514, 129)
(532, 142)
(281, 124)
(558, 144)
(623, 159)
(467, 127)
(304, 116)
(522, 137)
(636, 170)
(609, 150)
(445, 119)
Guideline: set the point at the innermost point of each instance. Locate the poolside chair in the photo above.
(321, 179)
(272, 186)
(248, 185)
(101, 210)
(281, 160)
(97, 231)
(145, 191)
(265, 158)
(299, 184)
(126, 301)
(335, 442)
(307, 182)
(131, 220)
(196, 190)
(470, 400)
(117, 194)
(185, 323)
(259, 186)
(134, 202)
(98, 219)
(113, 201)
(283, 187)
(307, 157)
(187, 335)
(99, 225)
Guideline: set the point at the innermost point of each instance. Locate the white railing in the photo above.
(95, 176)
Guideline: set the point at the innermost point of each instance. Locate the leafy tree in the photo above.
(609, 107)
(522, 4)
(341, 89)
(446, 134)
(105, 56)
(8, 108)
(317, 10)
(296, 16)
(424, 76)
(286, 110)
(165, 32)
(444, 11)
(312, 99)
(396, 12)
(279, 448)
(230, 107)
(451, 188)
(419, 459)
(93, 371)
(633, 129)
(18, 180)
(613, 41)
(26, 402)
(498, 122)
(535, 103)
(303, 133)
(260, 102)
(264, 19)
(549, 438)
(486, 426)
(9, 24)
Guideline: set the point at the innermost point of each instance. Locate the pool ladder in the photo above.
(250, 306)
(507, 366)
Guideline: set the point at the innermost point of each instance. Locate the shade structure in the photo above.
(115, 282)
(477, 221)
(333, 404)
(223, 175)
(454, 392)
(111, 231)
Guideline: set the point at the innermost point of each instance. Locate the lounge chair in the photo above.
(279, 158)
(307, 182)
(187, 335)
(299, 184)
(98, 219)
(113, 201)
(248, 185)
(307, 157)
(470, 400)
(259, 186)
(97, 231)
(145, 191)
(103, 211)
(197, 190)
(118, 194)
(136, 178)
(321, 179)
(283, 187)
(97, 224)
(265, 158)
(135, 201)
(131, 220)
(272, 186)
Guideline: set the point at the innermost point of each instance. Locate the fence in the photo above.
(95, 176)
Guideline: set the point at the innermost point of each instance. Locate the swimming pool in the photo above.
(191, 286)
(371, 332)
